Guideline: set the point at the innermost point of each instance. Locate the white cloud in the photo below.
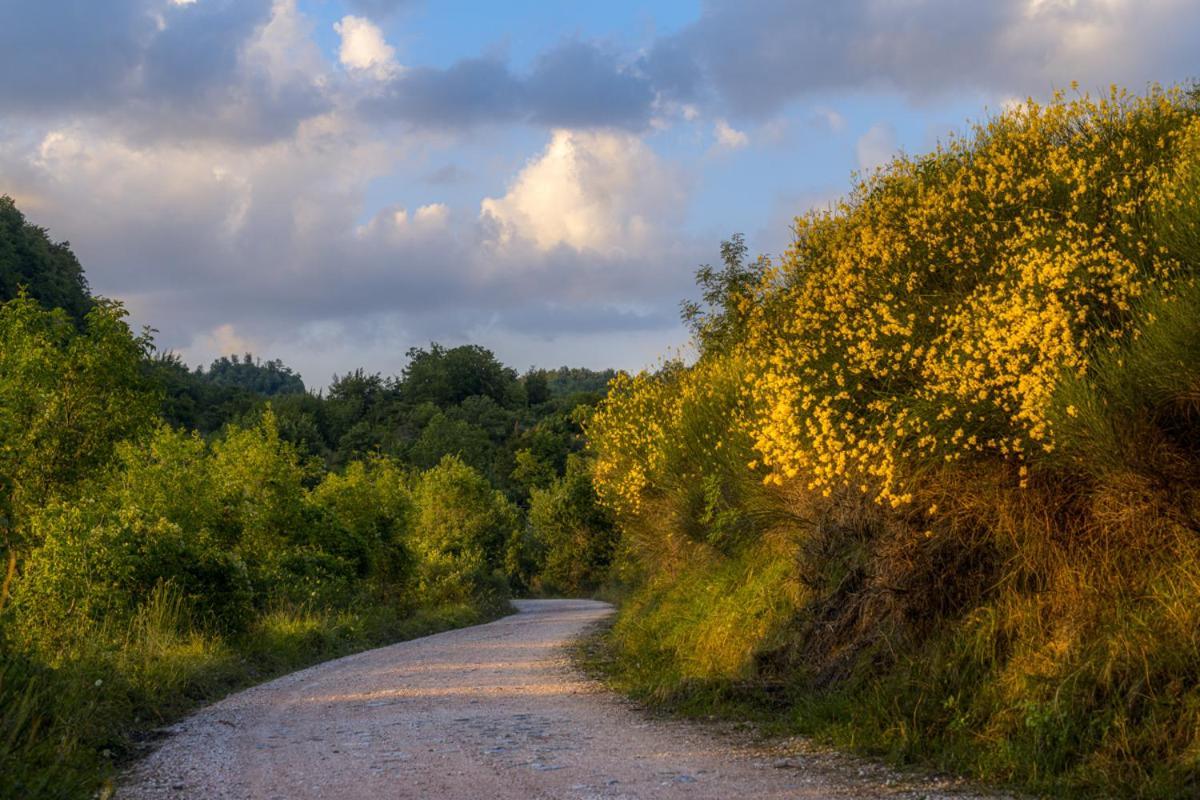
(364, 49)
(597, 190)
(223, 340)
(728, 137)
(285, 48)
(876, 147)
(829, 118)
(434, 214)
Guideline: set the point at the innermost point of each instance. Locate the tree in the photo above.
(47, 271)
(448, 377)
(576, 533)
(67, 397)
(460, 531)
(537, 387)
(253, 375)
(717, 324)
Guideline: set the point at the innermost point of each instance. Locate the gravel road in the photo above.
(493, 711)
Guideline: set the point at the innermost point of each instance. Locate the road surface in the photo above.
(492, 711)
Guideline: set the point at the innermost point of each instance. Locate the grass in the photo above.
(1003, 647)
(72, 721)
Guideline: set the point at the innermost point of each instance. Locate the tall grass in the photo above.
(75, 716)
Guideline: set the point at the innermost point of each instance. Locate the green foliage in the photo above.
(67, 396)
(172, 534)
(47, 271)
(460, 531)
(1137, 407)
(251, 374)
(575, 532)
(372, 501)
(448, 377)
(1005, 335)
(720, 322)
(443, 436)
(565, 382)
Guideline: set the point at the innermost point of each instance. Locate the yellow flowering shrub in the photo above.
(929, 316)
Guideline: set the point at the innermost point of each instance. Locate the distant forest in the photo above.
(517, 429)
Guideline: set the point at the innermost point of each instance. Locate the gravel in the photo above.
(493, 711)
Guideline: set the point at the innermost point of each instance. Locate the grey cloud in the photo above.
(286, 250)
(55, 52)
(470, 92)
(184, 78)
(576, 84)
(757, 56)
(579, 85)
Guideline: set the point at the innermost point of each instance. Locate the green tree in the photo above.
(444, 436)
(47, 271)
(372, 500)
(67, 396)
(717, 323)
(253, 375)
(576, 533)
(448, 377)
(460, 531)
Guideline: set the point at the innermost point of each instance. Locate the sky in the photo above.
(332, 182)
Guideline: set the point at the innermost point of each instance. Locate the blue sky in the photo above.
(333, 181)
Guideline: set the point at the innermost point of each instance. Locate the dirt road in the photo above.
(493, 711)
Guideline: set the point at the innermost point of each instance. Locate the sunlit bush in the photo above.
(460, 531)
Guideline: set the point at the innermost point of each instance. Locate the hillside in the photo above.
(931, 488)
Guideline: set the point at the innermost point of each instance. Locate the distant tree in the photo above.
(47, 270)
(447, 377)
(537, 387)
(566, 381)
(192, 401)
(253, 375)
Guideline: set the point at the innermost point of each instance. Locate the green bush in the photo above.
(576, 534)
(460, 531)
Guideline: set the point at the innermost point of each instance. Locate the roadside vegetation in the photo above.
(168, 535)
(932, 487)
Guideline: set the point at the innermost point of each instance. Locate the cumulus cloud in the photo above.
(600, 190)
(224, 245)
(214, 167)
(363, 48)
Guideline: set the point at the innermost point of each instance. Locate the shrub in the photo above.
(931, 487)
(93, 567)
(575, 533)
(372, 501)
(460, 531)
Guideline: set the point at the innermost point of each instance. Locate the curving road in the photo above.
(493, 711)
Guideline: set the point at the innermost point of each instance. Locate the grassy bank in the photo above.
(70, 725)
(930, 490)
